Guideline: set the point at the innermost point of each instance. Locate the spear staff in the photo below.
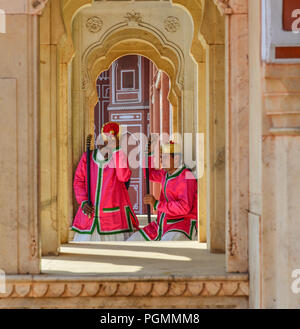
(148, 182)
(88, 175)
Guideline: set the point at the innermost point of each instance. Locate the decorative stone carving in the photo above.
(94, 24)
(133, 18)
(109, 288)
(39, 290)
(223, 6)
(172, 24)
(143, 289)
(126, 289)
(160, 289)
(22, 289)
(85, 79)
(91, 288)
(74, 290)
(213, 288)
(56, 289)
(177, 288)
(194, 288)
(78, 288)
(37, 6)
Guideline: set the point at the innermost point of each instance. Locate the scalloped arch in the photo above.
(144, 40)
(100, 56)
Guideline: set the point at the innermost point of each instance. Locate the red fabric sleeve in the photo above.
(80, 181)
(155, 175)
(187, 189)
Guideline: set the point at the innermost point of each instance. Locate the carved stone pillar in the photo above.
(237, 135)
(19, 103)
(202, 128)
(213, 34)
(165, 107)
(216, 128)
(51, 30)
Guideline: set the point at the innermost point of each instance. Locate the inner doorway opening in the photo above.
(134, 93)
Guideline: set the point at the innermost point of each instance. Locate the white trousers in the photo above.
(169, 236)
(95, 236)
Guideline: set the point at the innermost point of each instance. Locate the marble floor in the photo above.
(155, 259)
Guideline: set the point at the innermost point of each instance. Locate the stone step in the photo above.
(156, 274)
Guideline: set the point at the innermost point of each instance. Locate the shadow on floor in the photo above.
(144, 259)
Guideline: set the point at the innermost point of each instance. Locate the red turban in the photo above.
(111, 128)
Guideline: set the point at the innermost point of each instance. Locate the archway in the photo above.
(198, 14)
(133, 34)
(42, 158)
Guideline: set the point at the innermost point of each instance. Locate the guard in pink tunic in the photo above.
(177, 204)
(112, 210)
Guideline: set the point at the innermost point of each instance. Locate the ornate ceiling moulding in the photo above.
(171, 24)
(37, 6)
(223, 6)
(94, 24)
(133, 18)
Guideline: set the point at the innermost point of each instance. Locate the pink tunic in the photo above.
(113, 210)
(177, 204)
